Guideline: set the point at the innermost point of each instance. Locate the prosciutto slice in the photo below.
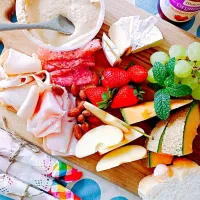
(15, 63)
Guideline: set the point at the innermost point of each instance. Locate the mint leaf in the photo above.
(159, 73)
(169, 81)
(170, 65)
(162, 104)
(155, 86)
(178, 90)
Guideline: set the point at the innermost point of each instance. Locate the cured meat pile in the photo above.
(28, 91)
(71, 67)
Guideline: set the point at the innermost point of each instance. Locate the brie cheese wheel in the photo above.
(131, 35)
(86, 15)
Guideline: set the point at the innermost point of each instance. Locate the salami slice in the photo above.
(80, 76)
(88, 50)
(62, 64)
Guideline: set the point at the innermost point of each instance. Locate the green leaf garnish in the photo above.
(169, 81)
(170, 65)
(162, 104)
(159, 73)
(178, 90)
(166, 86)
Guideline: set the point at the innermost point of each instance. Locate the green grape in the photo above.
(196, 93)
(192, 63)
(194, 51)
(150, 77)
(178, 52)
(182, 69)
(197, 64)
(177, 80)
(191, 81)
(159, 56)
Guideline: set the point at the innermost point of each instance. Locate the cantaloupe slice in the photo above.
(155, 159)
(175, 135)
(146, 110)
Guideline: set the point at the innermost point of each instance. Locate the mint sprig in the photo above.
(162, 104)
(166, 88)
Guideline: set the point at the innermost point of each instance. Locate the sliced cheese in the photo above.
(119, 34)
(112, 59)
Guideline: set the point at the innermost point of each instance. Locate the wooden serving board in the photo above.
(127, 175)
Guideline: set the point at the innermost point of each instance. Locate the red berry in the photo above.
(137, 73)
(99, 96)
(126, 96)
(115, 78)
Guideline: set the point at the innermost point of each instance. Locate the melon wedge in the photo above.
(175, 135)
(155, 159)
(146, 110)
(122, 155)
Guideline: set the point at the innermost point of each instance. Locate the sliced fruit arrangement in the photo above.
(174, 75)
(155, 159)
(175, 135)
(144, 111)
(122, 155)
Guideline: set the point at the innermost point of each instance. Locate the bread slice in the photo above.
(177, 182)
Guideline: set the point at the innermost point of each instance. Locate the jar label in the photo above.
(179, 10)
(185, 5)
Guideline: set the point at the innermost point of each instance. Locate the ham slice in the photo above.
(15, 63)
(15, 97)
(63, 144)
(29, 105)
(47, 117)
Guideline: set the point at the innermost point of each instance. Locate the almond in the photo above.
(74, 112)
(74, 90)
(81, 105)
(81, 119)
(85, 127)
(77, 132)
(82, 95)
(86, 113)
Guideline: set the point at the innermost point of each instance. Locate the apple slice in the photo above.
(122, 155)
(128, 137)
(100, 137)
(111, 120)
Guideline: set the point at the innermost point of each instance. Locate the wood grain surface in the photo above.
(127, 175)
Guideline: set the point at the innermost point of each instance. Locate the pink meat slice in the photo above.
(47, 117)
(69, 64)
(89, 49)
(80, 76)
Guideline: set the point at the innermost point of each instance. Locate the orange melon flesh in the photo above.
(190, 130)
(155, 159)
(146, 110)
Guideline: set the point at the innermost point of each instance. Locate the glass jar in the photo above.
(177, 11)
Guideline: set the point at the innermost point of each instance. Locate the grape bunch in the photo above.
(187, 68)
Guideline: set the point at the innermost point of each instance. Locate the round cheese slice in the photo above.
(86, 15)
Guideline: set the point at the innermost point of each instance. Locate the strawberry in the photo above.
(126, 96)
(115, 78)
(137, 73)
(99, 96)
